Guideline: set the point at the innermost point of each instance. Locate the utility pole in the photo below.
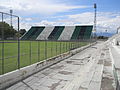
(94, 30)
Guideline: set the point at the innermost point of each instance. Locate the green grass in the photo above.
(35, 54)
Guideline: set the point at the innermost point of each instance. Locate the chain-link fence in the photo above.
(9, 42)
(16, 53)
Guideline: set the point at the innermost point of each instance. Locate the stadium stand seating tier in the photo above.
(87, 33)
(76, 32)
(58, 33)
(67, 33)
(45, 33)
(27, 34)
(82, 32)
(35, 34)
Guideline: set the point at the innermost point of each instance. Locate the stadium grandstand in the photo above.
(58, 33)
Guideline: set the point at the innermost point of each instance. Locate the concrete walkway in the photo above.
(90, 69)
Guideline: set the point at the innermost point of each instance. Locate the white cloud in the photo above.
(37, 6)
(28, 19)
(105, 21)
(83, 18)
(45, 23)
(25, 25)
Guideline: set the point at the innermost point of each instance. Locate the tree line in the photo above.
(9, 31)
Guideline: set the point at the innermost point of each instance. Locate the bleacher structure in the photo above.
(58, 33)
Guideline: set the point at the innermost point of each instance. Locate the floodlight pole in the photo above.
(11, 11)
(95, 7)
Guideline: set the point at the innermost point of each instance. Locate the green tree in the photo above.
(8, 30)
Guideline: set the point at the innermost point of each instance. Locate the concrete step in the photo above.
(84, 85)
(108, 81)
(80, 76)
(95, 83)
(89, 78)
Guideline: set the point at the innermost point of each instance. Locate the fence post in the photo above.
(69, 45)
(30, 55)
(75, 44)
(63, 45)
(60, 47)
(2, 45)
(18, 45)
(51, 49)
(78, 43)
(38, 50)
(72, 44)
(45, 48)
(66, 46)
(56, 47)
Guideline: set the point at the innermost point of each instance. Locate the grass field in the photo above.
(32, 52)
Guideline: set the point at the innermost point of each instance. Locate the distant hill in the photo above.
(105, 34)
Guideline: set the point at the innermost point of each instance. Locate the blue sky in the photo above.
(65, 12)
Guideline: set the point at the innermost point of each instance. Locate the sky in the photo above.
(64, 12)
